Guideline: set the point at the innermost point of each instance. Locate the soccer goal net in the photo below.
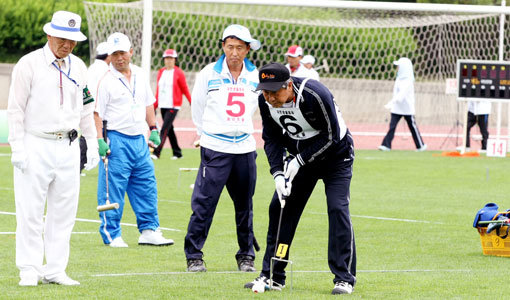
(354, 49)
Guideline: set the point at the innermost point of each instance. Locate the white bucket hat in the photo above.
(241, 33)
(118, 42)
(65, 25)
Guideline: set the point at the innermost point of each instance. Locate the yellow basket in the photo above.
(492, 244)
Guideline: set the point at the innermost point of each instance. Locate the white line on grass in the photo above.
(384, 218)
(300, 271)
(96, 221)
(78, 232)
(124, 224)
(173, 201)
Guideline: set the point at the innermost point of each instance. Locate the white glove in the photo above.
(281, 189)
(92, 159)
(19, 160)
(389, 105)
(291, 171)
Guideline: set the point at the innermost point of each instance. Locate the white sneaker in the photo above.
(154, 238)
(29, 280)
(384, 148)
(118, 242)
(154, 157)
(342, 287)
(482, 151)
(422, 148)
(61, 280)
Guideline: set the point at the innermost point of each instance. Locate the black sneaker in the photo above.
(245, 263)
(196, 265)
(264, 280)
(342, 287)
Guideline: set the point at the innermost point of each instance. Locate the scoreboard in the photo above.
(483, 80)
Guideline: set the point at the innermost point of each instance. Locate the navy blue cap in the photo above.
(273, 77)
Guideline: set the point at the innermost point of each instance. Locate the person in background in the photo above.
(224, 101)
(171, 85)
(294, 55)
(98, 69)
(125, 101)
(94, 73)
(49, 104)
(478, 113)
(308, 61)
(402, 105)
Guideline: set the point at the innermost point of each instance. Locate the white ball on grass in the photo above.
(258, 287)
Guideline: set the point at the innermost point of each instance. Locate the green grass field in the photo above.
(412, 214)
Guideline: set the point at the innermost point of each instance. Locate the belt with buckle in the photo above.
(58, 135)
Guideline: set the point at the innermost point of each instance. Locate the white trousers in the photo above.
(52, 178)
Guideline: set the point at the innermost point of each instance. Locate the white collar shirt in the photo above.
(38, 104)
(95, 73)
(123, 104)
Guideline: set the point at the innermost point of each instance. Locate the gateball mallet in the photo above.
(107, 205)
(275, 257)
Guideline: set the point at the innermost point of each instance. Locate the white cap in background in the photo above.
(308, 59)
(118, 42)
(102, 48)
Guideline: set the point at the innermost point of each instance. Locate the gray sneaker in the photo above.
(245, 263)
(342, 287)
(196, 265)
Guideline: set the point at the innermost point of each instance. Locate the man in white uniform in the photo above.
(125, 101)
(47, 108)
(297, 69)
(224, 100)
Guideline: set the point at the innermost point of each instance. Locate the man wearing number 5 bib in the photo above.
(300, 116)
(224, 100)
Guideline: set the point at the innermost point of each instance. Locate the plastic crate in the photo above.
(492, 244)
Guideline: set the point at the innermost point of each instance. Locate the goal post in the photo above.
(357, 41)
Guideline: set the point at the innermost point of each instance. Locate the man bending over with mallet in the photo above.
(300, 116)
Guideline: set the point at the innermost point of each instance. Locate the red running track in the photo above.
(365, 136)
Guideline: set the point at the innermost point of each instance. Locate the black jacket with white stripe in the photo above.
(311, 128)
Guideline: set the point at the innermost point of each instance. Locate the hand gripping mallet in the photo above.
(107, 205)
(279, 251)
